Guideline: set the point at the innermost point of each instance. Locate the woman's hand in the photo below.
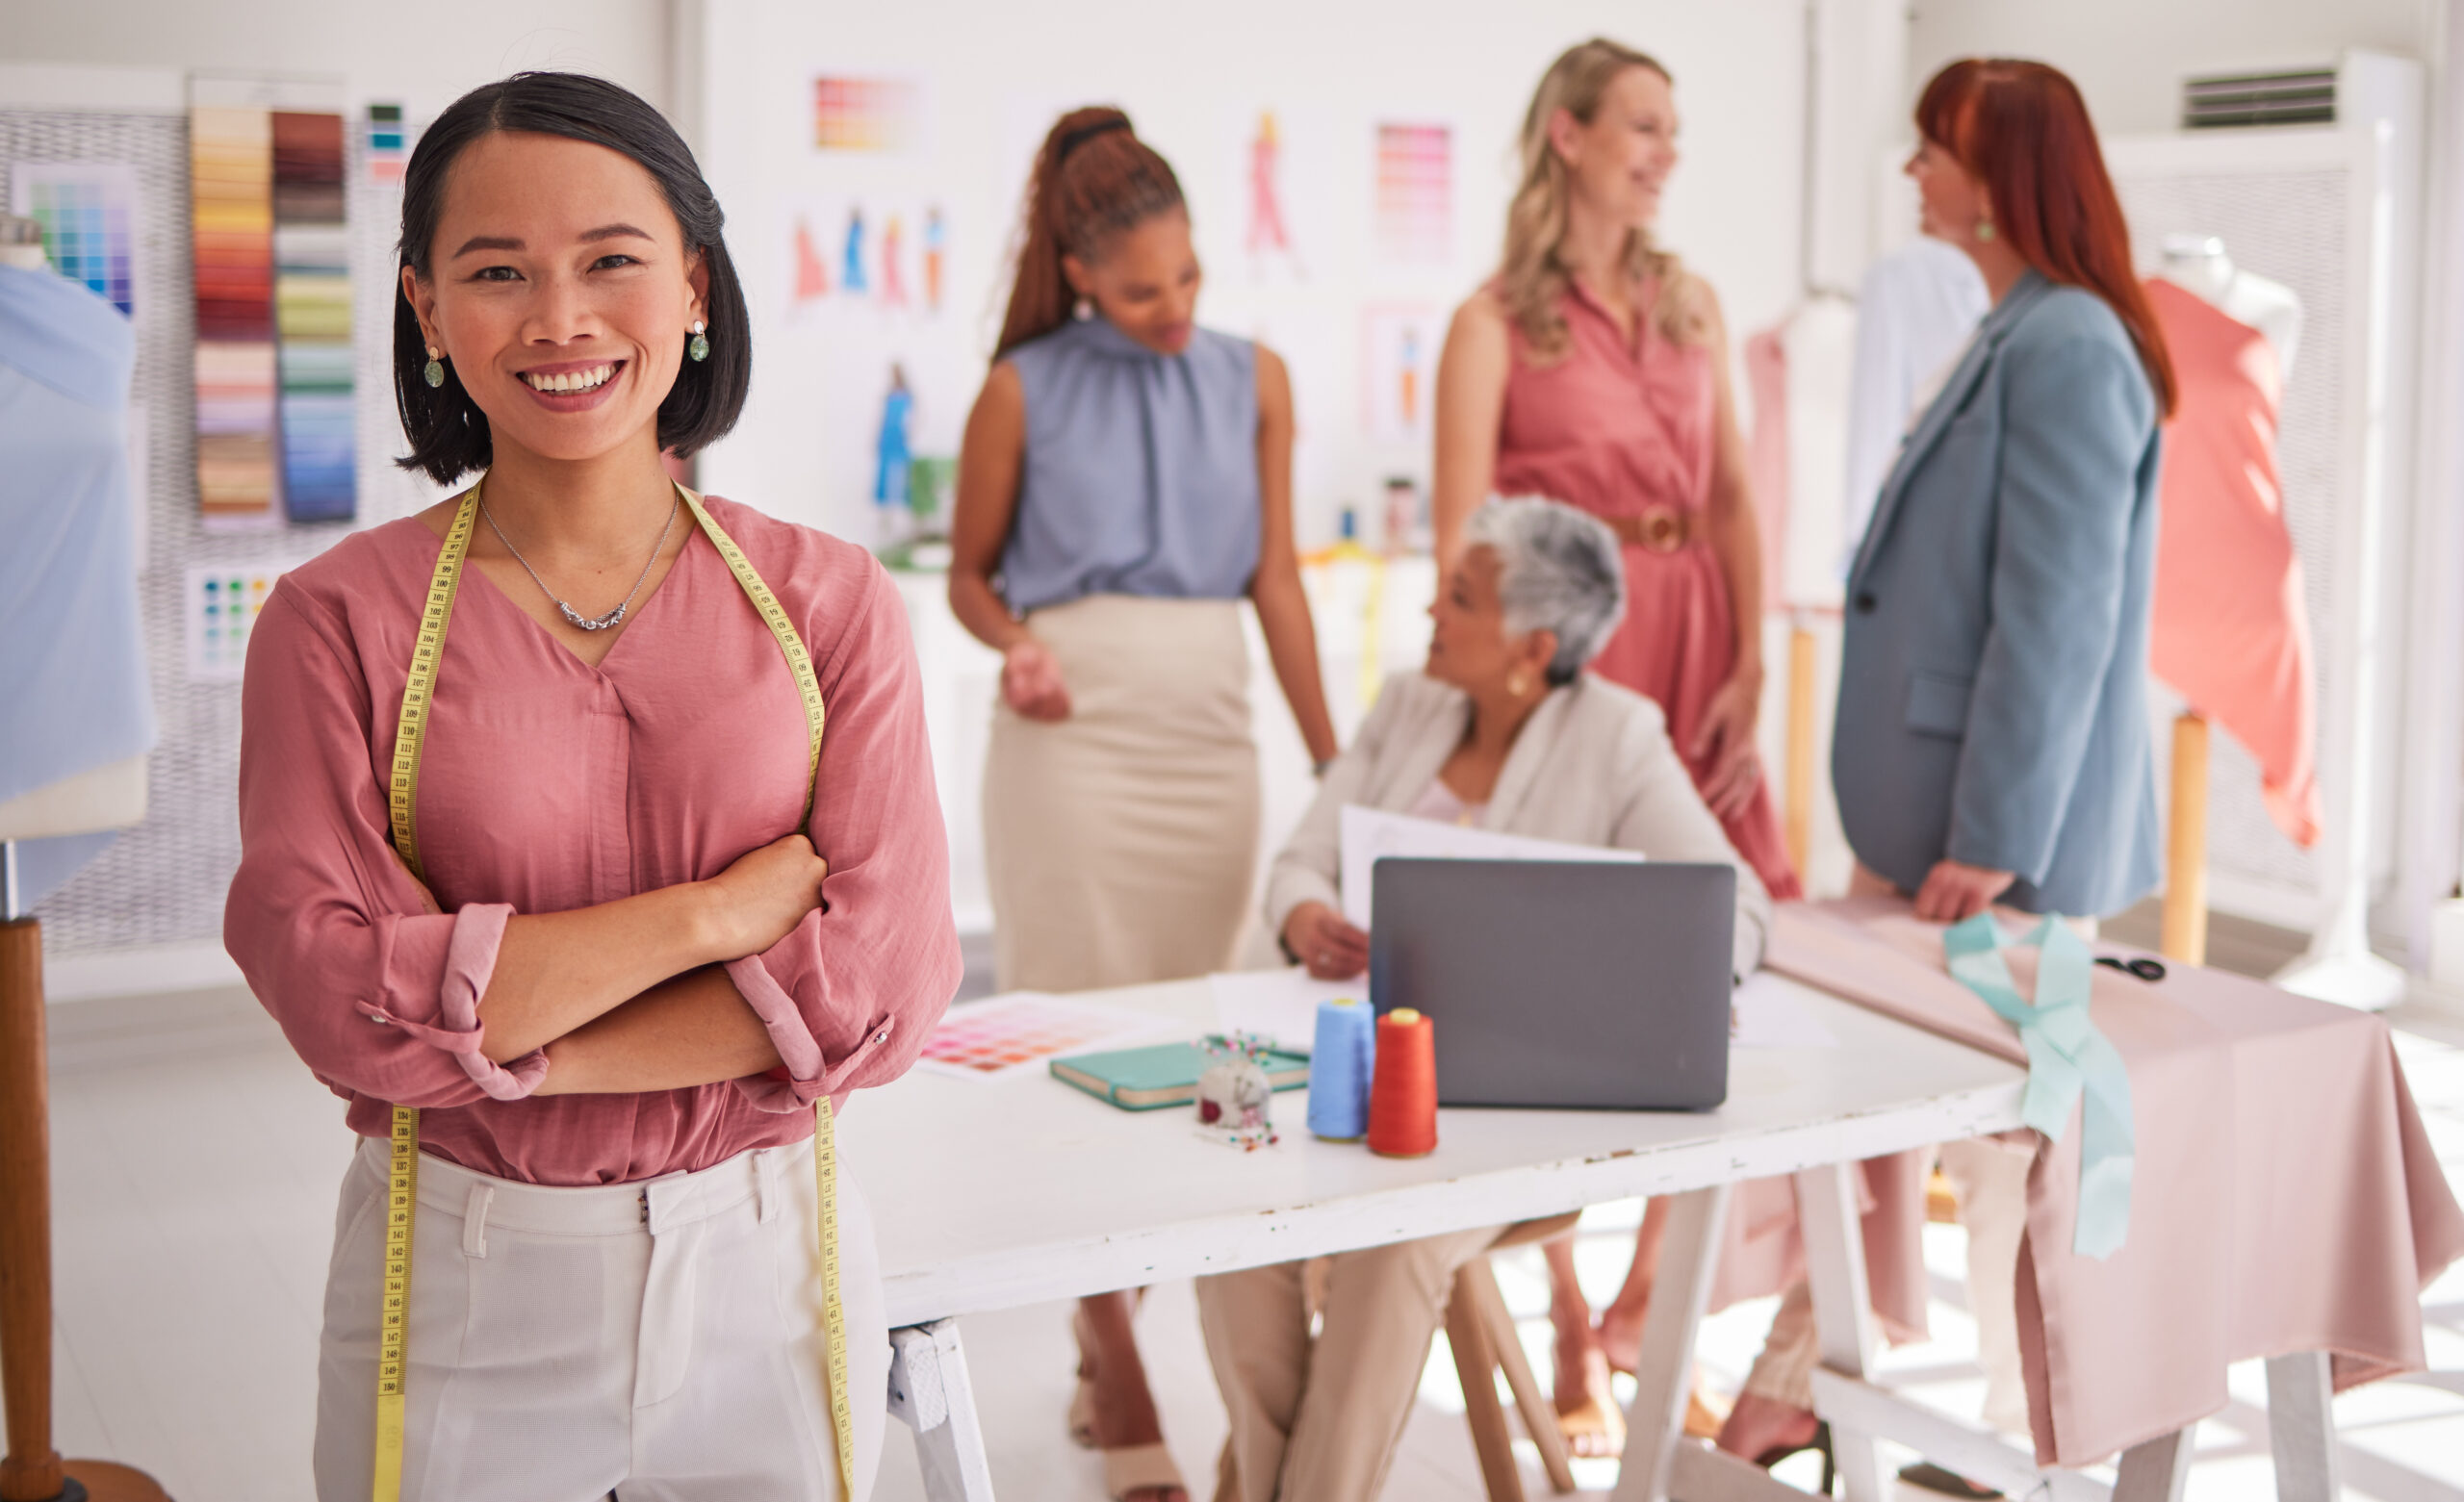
(1332, 949)
(1954, 893)
(761, 898)
(1031, 682)
(1726, 740)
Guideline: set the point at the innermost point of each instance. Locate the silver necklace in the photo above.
(613, 618)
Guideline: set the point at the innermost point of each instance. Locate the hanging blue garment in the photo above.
(73, 692)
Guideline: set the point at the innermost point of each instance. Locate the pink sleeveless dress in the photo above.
(1621, 429)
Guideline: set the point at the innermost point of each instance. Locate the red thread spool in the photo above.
(1403, 1094)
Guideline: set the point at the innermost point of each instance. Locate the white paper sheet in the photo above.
(1772, 1011)
(1281, 1003)
(1370, 834)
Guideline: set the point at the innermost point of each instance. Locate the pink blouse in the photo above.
(1618, 426)
(547, 785)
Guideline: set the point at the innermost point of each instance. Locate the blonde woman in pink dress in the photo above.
(1594, 370)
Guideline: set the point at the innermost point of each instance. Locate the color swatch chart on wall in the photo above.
(866, 114)
(1414, 197)
(312, 315)
(222, 605)
(87, 211)
(273, 306)
(231, 197)
(1024, 1030)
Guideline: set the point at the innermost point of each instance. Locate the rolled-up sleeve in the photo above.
(376, 990)
(850, 995)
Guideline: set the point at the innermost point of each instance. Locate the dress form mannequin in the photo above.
(2197, 264)
(2339, 965)
(104, 798)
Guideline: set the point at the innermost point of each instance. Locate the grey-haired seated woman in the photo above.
(1504, 730)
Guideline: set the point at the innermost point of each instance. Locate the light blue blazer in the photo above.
(1992, 690)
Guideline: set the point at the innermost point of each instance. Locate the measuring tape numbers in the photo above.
(401, 1180)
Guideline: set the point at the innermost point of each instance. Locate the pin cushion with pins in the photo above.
(1235, 1098)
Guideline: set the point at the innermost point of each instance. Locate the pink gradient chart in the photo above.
(864, 114)
(1415, 199)
(1009, 1034)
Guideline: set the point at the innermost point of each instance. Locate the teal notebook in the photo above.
(1144, 1078)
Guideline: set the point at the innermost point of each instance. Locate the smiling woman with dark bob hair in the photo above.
(550, 871)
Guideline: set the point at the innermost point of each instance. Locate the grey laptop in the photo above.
(1561, 984)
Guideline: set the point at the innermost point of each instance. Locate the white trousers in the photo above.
(659, 1341)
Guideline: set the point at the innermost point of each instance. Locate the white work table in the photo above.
(992, 1193)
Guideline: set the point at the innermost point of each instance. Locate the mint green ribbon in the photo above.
(2067, 1059)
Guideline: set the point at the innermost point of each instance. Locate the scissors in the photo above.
(2148, 969)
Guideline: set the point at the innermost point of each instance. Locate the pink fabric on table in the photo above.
(2230, 632)
(547, 785)
(1620, 426)
(2285, 1197)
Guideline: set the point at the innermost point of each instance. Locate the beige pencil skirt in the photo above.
(1121, 842)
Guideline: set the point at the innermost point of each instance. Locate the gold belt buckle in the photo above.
(1663, 529)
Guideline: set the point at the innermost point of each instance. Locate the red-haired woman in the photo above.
(1125, 481)
(1991, 745)
(1594, 370)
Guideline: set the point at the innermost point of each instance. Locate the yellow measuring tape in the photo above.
(401, 1185)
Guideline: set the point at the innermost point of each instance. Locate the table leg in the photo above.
(1836, 1267)
(928, 1392)
(1655, 1425)
(2301, 1427)
(2155, 1469)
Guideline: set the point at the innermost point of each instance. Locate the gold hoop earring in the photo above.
(434, 375)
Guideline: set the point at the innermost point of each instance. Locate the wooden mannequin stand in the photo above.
(1796, 792)
(2185, 929)
(32, 1471)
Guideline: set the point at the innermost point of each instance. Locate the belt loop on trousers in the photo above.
(475, 1220)
(765, 1184)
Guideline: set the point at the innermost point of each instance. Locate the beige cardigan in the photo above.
(1592, 766)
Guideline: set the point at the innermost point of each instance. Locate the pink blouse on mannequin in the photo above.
(546, 785)
(1624, 429)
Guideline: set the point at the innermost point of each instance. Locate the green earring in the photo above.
(435, 371)
(700, 345)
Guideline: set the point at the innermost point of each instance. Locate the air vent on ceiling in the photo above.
(2304, 96)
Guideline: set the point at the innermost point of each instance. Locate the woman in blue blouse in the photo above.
(1124, 483)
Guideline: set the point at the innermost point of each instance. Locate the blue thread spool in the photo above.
(1340, 1064)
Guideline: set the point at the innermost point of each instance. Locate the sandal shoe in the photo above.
(1594, 1429)
(1705, 1410)
(1140, 1467)
(1082, 1414)
(1933, 1478)
(1821, 1441)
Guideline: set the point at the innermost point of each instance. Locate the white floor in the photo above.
(194, 1169)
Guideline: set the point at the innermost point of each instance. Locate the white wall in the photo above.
(2129, 57)
(1193, 79)
(421, 55)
